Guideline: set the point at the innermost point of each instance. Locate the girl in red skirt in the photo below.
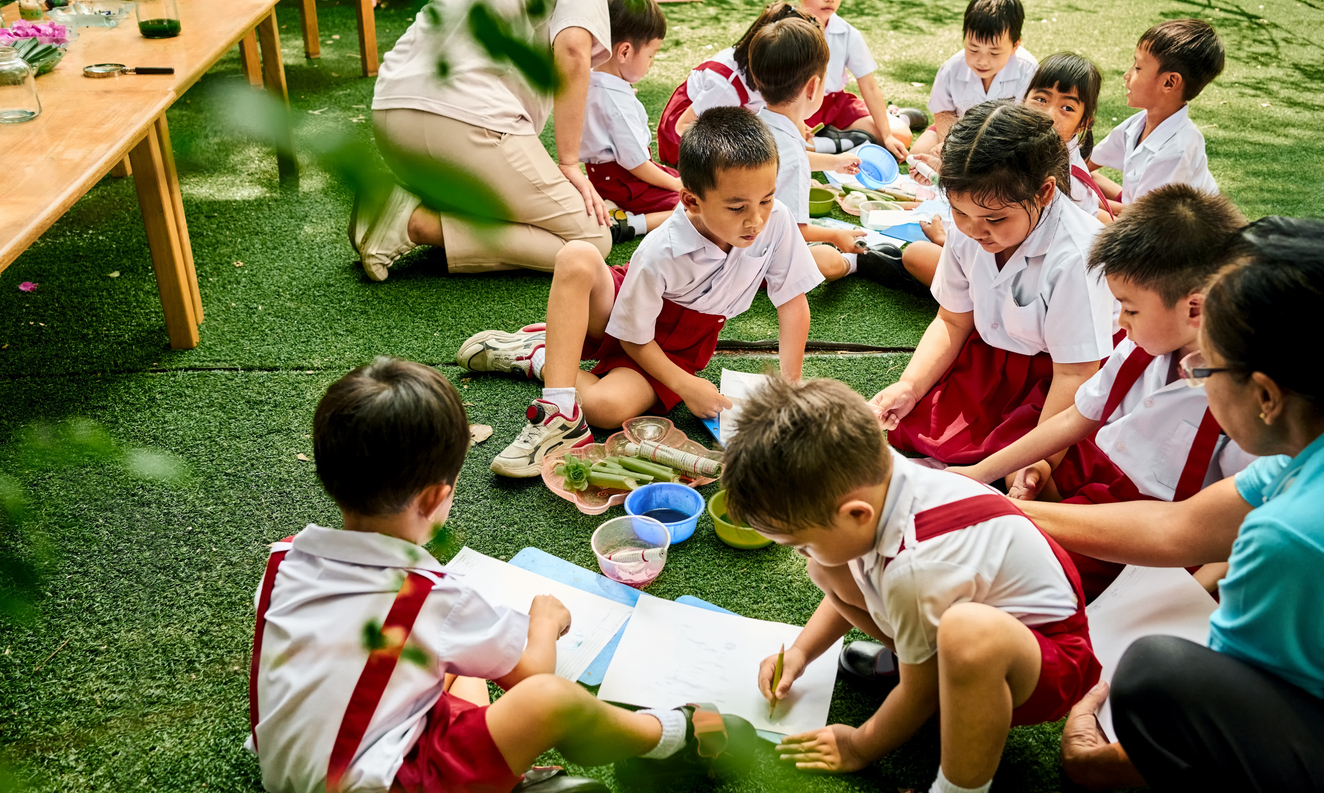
(1021, 323)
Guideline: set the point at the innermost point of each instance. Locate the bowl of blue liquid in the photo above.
(878, 167)
(675, 506)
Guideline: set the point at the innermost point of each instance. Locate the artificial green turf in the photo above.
(153, 593)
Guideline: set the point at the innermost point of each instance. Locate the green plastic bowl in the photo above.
(741, 537)
(821, 202)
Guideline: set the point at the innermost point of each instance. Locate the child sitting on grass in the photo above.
(652, 324)
(983, 611)
(615, 144)
(1160, 145)
(361, 633)
(1136, 431)
(990, 66)
(788, 59)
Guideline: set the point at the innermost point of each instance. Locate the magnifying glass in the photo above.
(112, 69)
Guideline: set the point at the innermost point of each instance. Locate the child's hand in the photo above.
(934, 230)
(846, 163)
(894, 146)
(703, 399)
(931, 160)
(793, 665)
(845, 239)
(830, 749)
(893, 403)
(546, 608)
(1030, 481)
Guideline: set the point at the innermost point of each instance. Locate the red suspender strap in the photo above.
(1084, 177)
(1130, 371)
(278, 551)
(376, 674)
(733, 79)
(1197, 462)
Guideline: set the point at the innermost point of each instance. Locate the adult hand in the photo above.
(593, 203)
(829, 750)
(1030, 481)
(894, 403)
(703, 399)
(1088, 758)
(548, 609)
(793, 665)
(894, 146)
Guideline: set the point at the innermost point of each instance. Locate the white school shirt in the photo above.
(1043, 299)
(957, 88)
(1172, 154)
(1149, 435)
(1081, 195)
(479, 91)
(1005, 562)
(793, 166)
(615, 124)
(677, 263)
(847, 52)
(708, 89)
(329, 586)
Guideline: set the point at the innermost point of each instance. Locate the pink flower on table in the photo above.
(28, 286)
(44, 32)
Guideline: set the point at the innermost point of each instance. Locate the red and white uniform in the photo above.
(956, 88)
(717, 82)
(1085, 192)
(1172, 154)
(793, 173)
(848, 55)
(320, 592)
(944, 539)
(615, 140)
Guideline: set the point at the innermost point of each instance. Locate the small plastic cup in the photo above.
(631, 549)
(878, 167)
(662, 501)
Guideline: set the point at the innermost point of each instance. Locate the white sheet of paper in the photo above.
(594, 619)
(735, 386)
(1145, 601)
(672, 654)
(887, 218)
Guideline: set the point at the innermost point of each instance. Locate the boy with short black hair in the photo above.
(653, 324)
(788, 60)
(1136, 431)
(1160, 145)
(984, 611)
(614, 146)
(991, 65)
(331, 707)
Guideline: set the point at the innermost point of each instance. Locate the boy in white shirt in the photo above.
(1160, 145)
(1136, 431)
(983, 611)
(331, 707)
(653, 324)
(615, 144)
(991, 65)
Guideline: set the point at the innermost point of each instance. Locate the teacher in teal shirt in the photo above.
(1245, 713)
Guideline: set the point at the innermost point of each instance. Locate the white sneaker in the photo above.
(358, 226)
(499, 351)
(387, 236)
(547, 431)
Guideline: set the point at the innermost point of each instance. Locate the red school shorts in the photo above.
(1068, 670)
(455, 754)
(840, 109)
(628, 191)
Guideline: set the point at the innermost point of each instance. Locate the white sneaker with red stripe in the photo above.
(548, 431)
(499, 351)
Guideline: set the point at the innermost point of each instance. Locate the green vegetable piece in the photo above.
(612, 481)
(652, 469)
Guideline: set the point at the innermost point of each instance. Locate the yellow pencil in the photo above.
(776, 680)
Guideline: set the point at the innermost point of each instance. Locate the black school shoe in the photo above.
(554, 779)
(918, 119)
(844, 139)
(621, 230)
(717, 746)
(882, 264)
(869, 662)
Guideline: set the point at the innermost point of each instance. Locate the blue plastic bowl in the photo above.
(667, 495)
(878, 167)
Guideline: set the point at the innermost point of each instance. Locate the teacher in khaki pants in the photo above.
(485, 118)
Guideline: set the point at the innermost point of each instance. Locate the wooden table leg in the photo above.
(367, 37)
(163, 238)
(248, 59)
(312, 46)
(268, 35)
(181, 224)
(122, 169)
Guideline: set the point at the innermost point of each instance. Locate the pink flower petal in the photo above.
(27, 286)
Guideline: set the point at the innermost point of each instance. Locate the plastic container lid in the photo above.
(878, 168)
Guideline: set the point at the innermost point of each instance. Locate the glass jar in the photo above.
(18, 88)
(157, 19)
(31, 10)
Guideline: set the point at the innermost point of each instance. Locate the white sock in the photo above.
(941, 785)
(563, 398)
(539, 358)
(637, 222)
(852, 259)
(673, 733)
(827, 145)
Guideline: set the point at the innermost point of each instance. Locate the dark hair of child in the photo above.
(1189, 47)
(1068, 73)
(773, 13)
(636, 21)
(1001, 153)
(986, 20)
(386, 431)
(1168, 240)
(800, 448)
(784, 56)
(1266, 302)
(722, 138)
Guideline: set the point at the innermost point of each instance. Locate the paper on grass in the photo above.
(594, 619)
(672, 654)
(1145, 601)
(737, 387)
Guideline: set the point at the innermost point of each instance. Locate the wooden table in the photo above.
(312, 45)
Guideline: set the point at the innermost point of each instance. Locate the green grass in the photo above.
(149, 613)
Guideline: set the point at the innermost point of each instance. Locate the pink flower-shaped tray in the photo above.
(597, 500)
